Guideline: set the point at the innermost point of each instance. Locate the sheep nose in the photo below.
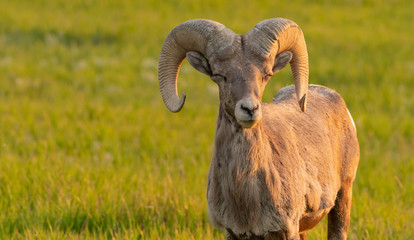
(248, 112)
(249, 108)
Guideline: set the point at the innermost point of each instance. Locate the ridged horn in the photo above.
(276, 35)
(204, 36)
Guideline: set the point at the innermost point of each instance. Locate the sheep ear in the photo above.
(199, 62)
(281, 60)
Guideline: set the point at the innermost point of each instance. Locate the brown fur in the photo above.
(276, 171)
(287, 173)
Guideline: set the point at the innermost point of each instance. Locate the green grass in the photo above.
(88, 150)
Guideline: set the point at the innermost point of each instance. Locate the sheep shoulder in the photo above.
(322, 138)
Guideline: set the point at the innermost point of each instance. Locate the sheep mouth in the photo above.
(248, 123)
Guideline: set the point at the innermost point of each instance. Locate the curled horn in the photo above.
(204, 36)
(276, 35)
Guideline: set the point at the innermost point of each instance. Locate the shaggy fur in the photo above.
(277, 168)
(287, 173)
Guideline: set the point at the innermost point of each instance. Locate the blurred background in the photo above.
(89, 151)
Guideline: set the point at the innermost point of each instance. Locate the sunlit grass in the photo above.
(89, 151)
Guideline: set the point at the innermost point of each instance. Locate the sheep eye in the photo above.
(266, 77)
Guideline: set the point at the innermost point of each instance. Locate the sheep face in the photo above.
(241, 79)
(240, 64)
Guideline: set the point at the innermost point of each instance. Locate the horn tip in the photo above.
(179, 106)
(302, 103)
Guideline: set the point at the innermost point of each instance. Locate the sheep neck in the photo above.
(242, 176)
(250, 148)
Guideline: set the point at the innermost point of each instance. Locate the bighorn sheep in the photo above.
(277, 169)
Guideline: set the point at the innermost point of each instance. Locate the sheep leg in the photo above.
(230, 235)
(279, 235)
(303, 236)
(339, 216)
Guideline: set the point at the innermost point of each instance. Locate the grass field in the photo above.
(89, 151)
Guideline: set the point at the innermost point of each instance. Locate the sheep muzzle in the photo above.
(248, 112)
